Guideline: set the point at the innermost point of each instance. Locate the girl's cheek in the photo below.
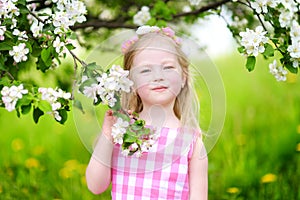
(140, 83)
(142, 91)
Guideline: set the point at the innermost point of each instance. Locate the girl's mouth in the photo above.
(160, 88)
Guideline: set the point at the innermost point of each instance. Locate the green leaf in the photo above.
(138, 125)
(291, 68)
(144, 131)
(5, 46)
(241, 49)
(4, 80)
(18, 112)
(45, 54)
(70, 46)
(25, 100)
(269, 51)
(37, 113)
(41, 65)
(140, 122)
(45, 106)
(25, 109)
(128, 138)
(92, 66)
(64, 116)
(251, 60)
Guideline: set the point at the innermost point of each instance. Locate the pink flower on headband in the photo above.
(128, 43)
(168, 32)
(142, 30)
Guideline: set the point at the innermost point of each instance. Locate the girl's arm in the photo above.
(198, 172)
(98, 171)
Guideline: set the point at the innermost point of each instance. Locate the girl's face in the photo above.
(157, 76)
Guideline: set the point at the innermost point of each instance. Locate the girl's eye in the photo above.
(169, 67)
(145, 71)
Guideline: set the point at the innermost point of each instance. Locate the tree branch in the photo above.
(202, 9)
(103, 24)
(113, 24)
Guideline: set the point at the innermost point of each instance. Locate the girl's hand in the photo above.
(108, 122)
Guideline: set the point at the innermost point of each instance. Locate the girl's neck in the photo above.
(159, 116)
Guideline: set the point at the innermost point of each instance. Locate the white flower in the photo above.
(142, 17)
(295, 62)
(295, 31)
(110, 99)
(69, 13)
(294, 49)
(8, 9)
(118, 130)
(133, 146)
(56, 106)
(138, 154)
(2, 31)
(11, 95)
(278, 71)
(91, 92)
(57, 116)
(61, 22)
(194, 2)
(125, 152)
(125, 84)
(147, 29)
(260, 6)
(254, 41)
(62, 94)
(21, 35)
(19, 52)
(237, 22)
(36, 27)
(272, 3)
(59, 46)
(285, 18)
(51, 95)
(117, 70)
(289, 5)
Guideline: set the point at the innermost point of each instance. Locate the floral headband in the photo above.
(142, 30)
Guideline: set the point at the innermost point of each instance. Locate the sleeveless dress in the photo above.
(162, 173)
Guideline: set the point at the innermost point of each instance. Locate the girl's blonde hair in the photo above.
(186, 106)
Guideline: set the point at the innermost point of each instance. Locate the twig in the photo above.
(76, 58)
(74, 77)
(35, 16)
(202, 9)
(10, 75)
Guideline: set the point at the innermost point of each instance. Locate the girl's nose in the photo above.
(158, 74)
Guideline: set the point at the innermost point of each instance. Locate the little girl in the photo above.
(176, 165)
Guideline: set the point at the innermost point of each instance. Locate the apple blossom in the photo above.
(142, 17)
(19, 52)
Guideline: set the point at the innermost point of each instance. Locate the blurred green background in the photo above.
(256, 157)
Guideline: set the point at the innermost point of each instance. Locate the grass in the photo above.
(256, 156)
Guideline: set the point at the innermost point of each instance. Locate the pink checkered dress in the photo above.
(161, 173)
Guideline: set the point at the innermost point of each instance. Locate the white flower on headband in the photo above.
(147, 29)
(142, 30)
